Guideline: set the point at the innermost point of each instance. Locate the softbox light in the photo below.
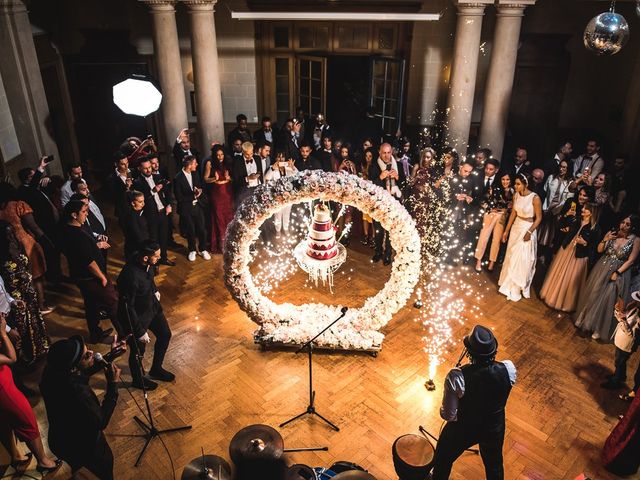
(137, 95)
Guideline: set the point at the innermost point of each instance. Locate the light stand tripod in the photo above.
(150, 429)
(311, 409)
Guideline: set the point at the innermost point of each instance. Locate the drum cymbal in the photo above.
(256, 442)
(207, 467)
(354, 475)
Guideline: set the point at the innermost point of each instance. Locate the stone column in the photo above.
(497, 94)
(206, 74)
(23, 85)
(464, 68)
(166, 50)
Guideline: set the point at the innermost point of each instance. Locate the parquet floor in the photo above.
(557, 415)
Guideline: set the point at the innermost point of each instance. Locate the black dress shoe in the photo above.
(162, 375)
(102, 337)
(166, 261)
(148, 384)
(386, 261)
(376, 258)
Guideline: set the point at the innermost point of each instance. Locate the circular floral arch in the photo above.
(288, 323)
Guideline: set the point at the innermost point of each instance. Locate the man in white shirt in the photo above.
(74, 173)
(475, 396)
(589, 163)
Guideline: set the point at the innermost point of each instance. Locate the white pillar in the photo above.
(464, 69)
(166, 50)
(497, 94)
(23, 85)
(206, 74)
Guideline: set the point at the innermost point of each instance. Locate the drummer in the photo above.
(474, 402)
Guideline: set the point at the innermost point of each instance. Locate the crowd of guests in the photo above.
(577, 217)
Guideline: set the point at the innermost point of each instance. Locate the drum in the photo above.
(301, 472)
(412, 457)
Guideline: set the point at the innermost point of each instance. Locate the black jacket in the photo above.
(118, 191)
(150, 206)
(590, 235)
(239, 174)
(44, 212)
(76, 416)
(137, 291)
(184, 194)
(179, 153)
(136, 231)
(312, 163)
(259, 137)
(375, 171)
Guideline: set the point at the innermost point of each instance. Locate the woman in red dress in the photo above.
(16, 415)
(217, 174)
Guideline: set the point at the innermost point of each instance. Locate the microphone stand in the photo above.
(150, 430)
(311, 409)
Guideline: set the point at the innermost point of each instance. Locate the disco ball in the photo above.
(606, 33)
(638, 8)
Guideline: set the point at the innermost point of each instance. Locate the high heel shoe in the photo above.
(44, 471)
(21, 465)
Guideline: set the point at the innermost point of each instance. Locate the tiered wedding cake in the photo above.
(321, 244)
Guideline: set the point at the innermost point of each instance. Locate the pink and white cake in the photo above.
(321, 244)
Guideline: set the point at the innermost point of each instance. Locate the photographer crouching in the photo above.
(140, 311)
(475, 396)
(76, 416)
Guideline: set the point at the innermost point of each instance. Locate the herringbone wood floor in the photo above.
(557, 416)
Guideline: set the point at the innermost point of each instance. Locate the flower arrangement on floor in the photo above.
(296, 324)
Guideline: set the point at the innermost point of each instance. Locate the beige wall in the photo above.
(9, 146)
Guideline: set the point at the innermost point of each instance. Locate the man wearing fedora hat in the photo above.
(474, 400)
(76, 417)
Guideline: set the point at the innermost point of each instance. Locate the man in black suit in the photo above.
(45, 215)
(519, 164)
(183, 147)
(293, 141)
(481, 158)
(564, 153)
(134, 224)
(240, 132)
(386, 173)
(120, 182)
(485, 181)
(326, 156)
(187, 188)
(265, 133)
(307, 161)
(157, 199)
(246, 173)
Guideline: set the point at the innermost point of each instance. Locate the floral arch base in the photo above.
(295, 324)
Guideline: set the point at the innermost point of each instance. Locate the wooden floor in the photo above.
(557, 415)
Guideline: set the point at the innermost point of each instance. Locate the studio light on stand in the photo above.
(137, 95)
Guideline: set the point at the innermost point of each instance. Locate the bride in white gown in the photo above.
(520, 260)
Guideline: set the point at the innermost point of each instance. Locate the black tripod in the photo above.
(311, 409)
(150, 429)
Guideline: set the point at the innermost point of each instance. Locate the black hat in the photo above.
(65, 354)
(481, 342)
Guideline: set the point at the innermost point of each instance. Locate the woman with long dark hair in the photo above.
(367, 221)
(609, 280)
(217, 174)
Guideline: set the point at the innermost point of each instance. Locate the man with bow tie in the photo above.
(246, 173)
(589, 164)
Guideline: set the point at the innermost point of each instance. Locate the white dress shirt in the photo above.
(155, 195)
(189, 178)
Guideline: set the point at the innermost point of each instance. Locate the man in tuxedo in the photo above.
(45, 214)
(306, 160)
(120, 182)
(462, 212)
(485, 181)
(134, 224)
(326, 156)
(157, 206)
(240, 132)
(386, 173)
(563, 153)
(157, 169)
(265, 133)
(320, 130)
(187, 188)
(519, 164)
(183, 147)
(246, 174)
(95, 217)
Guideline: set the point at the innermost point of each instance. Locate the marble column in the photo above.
(497, 94)
(464, 68)
(206, 73)
(20, 72)
(166, 50)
